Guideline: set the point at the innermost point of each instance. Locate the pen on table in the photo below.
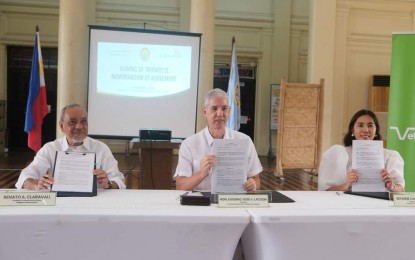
(338, 193)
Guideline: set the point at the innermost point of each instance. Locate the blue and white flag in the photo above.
(234, 93)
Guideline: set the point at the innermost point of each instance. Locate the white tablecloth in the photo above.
(330, 225)
(151, 224)
(120, 224)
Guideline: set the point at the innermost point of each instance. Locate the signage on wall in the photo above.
(275, 104)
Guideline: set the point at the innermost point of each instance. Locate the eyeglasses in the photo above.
(214, 109)
(73, 122)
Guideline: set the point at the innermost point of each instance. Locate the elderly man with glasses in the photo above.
(74, 124)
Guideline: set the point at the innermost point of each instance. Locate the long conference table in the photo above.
(330, 225)
(151, 224)
(120, 224)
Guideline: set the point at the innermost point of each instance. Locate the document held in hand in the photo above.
(73, 174)
(231, 169)
(368, 160)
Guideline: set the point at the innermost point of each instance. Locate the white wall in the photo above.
(364, 43)
(272, 33)
(263, 31)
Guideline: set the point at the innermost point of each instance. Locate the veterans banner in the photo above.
(401, 115)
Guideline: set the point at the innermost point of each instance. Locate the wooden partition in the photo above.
(299, 128)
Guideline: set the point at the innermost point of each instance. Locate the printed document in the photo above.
(73, 172)
(231, 169)
(368, 160)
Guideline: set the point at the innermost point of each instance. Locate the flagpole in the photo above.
(270, 154)
(230, 63)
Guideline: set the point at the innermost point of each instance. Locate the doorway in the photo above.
(19, 62)
(247, 80)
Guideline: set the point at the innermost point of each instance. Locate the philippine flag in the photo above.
(37, 107)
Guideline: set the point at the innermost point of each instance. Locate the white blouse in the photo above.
(336, 162)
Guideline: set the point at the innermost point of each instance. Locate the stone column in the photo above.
(202, 20)
(74, 17)
(321, 62)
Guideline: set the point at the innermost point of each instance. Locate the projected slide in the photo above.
(143, 70)
(140, 79)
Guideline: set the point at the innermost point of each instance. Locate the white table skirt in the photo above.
(326, 225)
(120, 224)
(151, 224)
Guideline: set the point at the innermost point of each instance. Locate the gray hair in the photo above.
(216, 92)
(63, 110)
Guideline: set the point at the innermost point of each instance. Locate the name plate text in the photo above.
(27, 198)
(404, 199)
(243, 200)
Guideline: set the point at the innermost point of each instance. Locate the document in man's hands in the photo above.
(368, 160)
(73, 174)
(231, 169)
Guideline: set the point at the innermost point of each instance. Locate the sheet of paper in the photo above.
(74, 172)
(231, 169)
(368, 160)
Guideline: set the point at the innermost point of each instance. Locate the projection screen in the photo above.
(142, 79)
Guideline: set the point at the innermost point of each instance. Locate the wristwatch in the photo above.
(109, 184)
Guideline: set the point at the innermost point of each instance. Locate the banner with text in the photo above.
(401, 120)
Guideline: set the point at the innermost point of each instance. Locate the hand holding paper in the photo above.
(206, 164)
(250, 184)
(102, 178)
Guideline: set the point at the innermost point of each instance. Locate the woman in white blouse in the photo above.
(336, 173)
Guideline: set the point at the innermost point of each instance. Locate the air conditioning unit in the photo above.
(379, 93)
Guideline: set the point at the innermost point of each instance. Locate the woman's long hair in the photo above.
(348, 138)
